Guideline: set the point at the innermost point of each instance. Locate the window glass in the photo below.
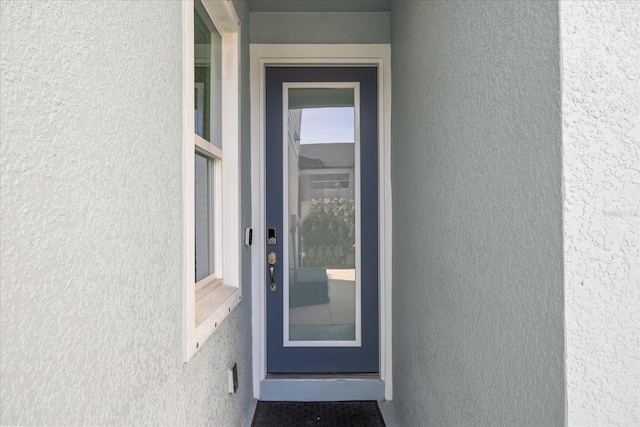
(208, 77)
(203, 217)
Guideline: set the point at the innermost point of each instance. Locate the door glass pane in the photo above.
(322, 214)
(208, 77)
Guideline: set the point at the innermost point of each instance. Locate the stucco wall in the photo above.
(477, 214)
(601, 140)
(330, 28)
(91, 224)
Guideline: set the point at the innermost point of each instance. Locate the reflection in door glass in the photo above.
(322, 214)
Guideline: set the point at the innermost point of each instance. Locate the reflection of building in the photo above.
(317, 171)
(326, 172)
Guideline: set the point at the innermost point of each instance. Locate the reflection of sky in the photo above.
(327, 125)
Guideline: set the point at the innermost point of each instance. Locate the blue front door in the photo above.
(322, 219)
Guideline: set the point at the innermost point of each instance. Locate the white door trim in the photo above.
(317, 54)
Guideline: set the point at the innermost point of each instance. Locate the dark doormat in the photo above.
(318, 414)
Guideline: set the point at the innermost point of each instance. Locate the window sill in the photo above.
(202, 290)
(210, 311)
(215, 302)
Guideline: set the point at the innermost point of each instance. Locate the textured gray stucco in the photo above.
(329, 28)
(91, 225)
(601, 141)
(477, 214)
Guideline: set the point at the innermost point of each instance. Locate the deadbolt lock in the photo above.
(271, 236)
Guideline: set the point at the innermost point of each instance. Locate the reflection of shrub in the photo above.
(329, 233)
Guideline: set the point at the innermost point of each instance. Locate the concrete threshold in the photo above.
(321, 387)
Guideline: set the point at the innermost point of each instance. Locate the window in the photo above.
(329, 180)
(212, 229)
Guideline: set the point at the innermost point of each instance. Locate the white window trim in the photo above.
(221, 301)
(319, 54)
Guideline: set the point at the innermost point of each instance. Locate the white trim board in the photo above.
(340, 55)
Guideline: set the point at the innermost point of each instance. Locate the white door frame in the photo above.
(317, 54)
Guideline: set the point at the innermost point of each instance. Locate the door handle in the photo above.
(272, 259)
